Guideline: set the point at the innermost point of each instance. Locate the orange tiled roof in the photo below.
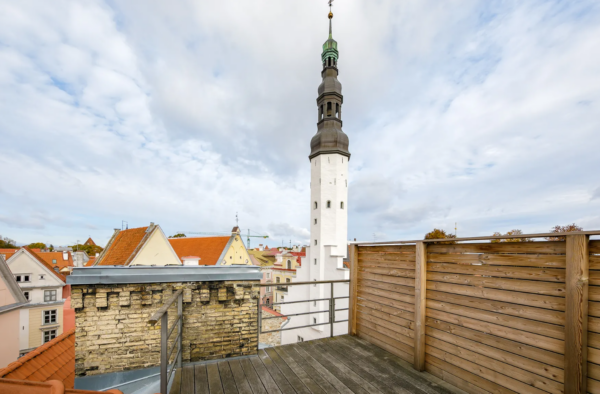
(273, 312)
(209, 249)
(58, 256)
(54, 360)
(45, 264)
(125, 243)
(90, 262)
(90, 241)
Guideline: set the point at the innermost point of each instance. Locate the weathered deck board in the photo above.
(343, 364)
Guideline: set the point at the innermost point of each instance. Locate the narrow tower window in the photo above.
(315, 242)
(321, 114)
(329, 109)
(315, 221)
(342, 205)
(315, 261)
(329, 61)
(316, 205)
(328, 204)
(337, 110)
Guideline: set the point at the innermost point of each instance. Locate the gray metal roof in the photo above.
(144, 274)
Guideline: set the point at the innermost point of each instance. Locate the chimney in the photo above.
(66, 256)
(191, 260)
(261, 247)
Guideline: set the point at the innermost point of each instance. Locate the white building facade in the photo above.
(329, 215)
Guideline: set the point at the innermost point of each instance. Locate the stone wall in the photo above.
(113, 333)
(272, 338)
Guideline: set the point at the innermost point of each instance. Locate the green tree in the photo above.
(91, 250)
(7, 243)
(563, 229)
(178, 235)
(511, 232)
(440, 234)
(37, 245)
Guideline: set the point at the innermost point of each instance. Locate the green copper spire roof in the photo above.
(330, 46)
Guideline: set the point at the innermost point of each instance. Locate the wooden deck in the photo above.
(342, 364)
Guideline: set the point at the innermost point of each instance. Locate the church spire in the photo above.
(330, 138)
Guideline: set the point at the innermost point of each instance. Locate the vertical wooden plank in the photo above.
(576, 314)
(353, 288)
(420, 297)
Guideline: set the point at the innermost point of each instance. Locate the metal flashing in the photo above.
(166, 274)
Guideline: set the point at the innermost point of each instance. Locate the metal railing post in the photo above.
(331, 311)
(180, 330)
(164, 357)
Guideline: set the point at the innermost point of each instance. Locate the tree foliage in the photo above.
(37, 245)
(7, 243)
(563, 229)
(178, 235)
(440, 234)
(91, 250)
(511, 232)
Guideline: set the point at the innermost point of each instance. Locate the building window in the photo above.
(287, 280)
(42, 277)
(316, 205)
(300, 339)
(49, 335)
(268, 275)
(23, 278)
(342, 205)
(315, 221)
(53, 261)
(289, 264)
(268, 301)
(50, 316)
(329, 109)
(26, 294)
(315, 285)
(268, 289)
(278, 280)
(328, 204)
(314, 303)
(282, 298)
(315, 241)
(314, 320)
(337, 110)
(49, 295)
(315, 261)
(56, 270)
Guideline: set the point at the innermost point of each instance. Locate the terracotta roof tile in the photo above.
(45, 264)
(125, 243)
(90, 241)
(49, 257)
(209, 249)
(54, 360)
(273, 312)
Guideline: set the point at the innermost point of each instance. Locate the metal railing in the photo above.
(331, 309)
(165, 333)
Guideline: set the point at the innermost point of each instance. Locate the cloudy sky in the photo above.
(183, 113)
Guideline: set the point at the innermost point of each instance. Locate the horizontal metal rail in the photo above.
(300, 314)
(163, 309)
(488, 238)
(316, 282)
(295, 328)
(297, 302)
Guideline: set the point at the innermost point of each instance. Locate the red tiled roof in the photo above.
(123, 246)
(274, 313)
(54, 360)
(90, 262)
(45, 264)
(90, 241)
(209, 249)
(58, 256)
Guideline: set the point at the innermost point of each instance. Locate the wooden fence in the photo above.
(509, 317)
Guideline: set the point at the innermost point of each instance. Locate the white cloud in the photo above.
(480, 113)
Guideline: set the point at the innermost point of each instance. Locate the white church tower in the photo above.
(329, 158)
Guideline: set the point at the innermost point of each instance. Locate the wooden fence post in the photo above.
(420, 299)
(353, 289)
(576, 314)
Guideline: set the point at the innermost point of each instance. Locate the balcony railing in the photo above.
(282, 288)
(330, 310)
(166, 369)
